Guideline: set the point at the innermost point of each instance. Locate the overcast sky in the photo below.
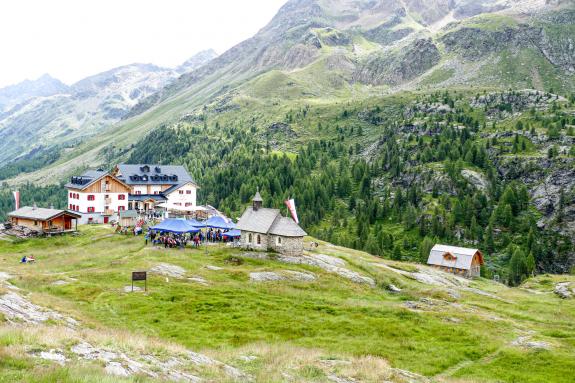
(72, 39)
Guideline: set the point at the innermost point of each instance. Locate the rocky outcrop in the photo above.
(17, 309)
(269, 276)
(401, 66)
(168, 270)
(325, 262)
(564, 290)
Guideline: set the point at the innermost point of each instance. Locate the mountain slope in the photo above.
(44, 86)
(262, 318)
(62, 116)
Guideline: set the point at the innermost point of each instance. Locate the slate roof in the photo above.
(176, 187)
(146, 174)
(86, 179)
(286, 227)
(145, 197)
(463, 256)
(39, 213)
(269, 221)
(259, 221)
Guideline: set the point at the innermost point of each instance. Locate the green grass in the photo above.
(331, 314)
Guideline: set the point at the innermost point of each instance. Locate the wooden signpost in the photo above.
(140, 276)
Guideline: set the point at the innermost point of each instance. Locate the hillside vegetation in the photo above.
(260, 317)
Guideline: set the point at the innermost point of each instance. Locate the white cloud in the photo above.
(72, 39)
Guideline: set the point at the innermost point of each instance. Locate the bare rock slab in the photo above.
(168, 270)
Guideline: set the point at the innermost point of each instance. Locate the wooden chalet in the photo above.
(46, 221)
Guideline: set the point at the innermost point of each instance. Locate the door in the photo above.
(106, 219)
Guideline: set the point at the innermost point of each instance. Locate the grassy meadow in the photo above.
(452, 335)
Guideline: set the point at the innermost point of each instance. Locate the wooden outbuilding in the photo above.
(457, 260)
(46, 221)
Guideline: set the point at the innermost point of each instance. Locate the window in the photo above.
(107, 196)
(189, 204)
(279, 241)
(181, 191)
(250, 238)
(71, 207)
(178, 203)
(91, 209)
(138, 192)
(121, 208)
(71, 195)
(91, 197)
(35, 223)
(121, 197)
(188, 192)
(259, 240)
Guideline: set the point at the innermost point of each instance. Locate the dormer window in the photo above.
(145, 169)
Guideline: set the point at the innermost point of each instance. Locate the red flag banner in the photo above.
(290, 203)
(16, 199)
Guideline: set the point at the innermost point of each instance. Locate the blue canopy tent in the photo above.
(232, 233)
(217, 222)
(195, 223)
(175, 226)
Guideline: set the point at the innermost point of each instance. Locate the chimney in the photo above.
(52, 206)
(34, 207)
(257, 200)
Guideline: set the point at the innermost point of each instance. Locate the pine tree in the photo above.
(396, 254)
(425, 248)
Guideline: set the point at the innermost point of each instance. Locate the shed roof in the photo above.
(128, 214)
(147, 197)
(462, 256)
(40, 214)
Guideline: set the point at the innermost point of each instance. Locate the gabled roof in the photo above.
(149, 174)
(268, 221)
(88, 178)
(257, 221)
(286, 227)
(460, 257)
(40, 214)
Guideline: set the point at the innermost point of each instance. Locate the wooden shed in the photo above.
(47, 221)
(457, 260)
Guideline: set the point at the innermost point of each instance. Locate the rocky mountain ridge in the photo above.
(48, 112)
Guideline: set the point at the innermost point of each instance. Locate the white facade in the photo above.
(183, 198)
(96, 205)
(146, 189)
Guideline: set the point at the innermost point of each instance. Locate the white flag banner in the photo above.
(16, 194)
(290, 203)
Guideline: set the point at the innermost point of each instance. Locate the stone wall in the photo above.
(287, 245)
(253, 244)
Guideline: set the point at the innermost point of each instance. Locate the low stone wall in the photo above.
(288, 245)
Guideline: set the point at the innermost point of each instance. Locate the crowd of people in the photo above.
(175, 240)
